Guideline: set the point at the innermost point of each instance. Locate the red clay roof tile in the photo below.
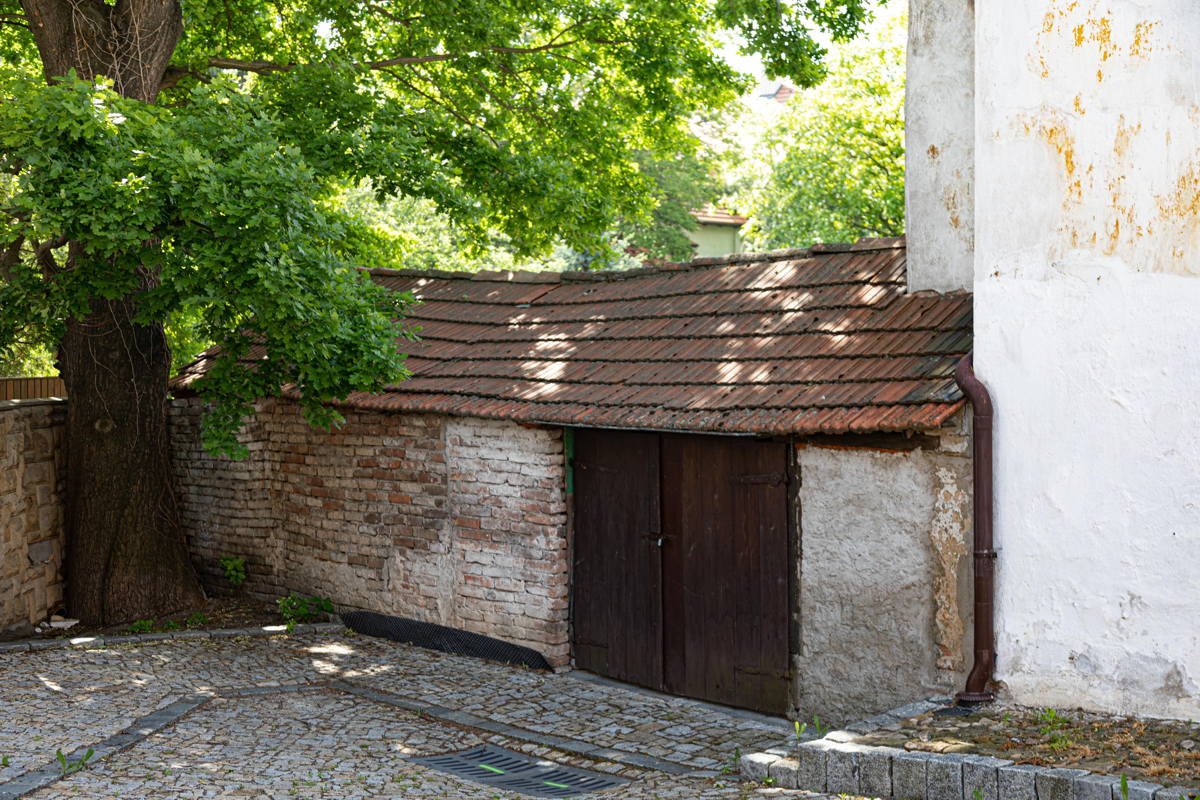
(817, 341)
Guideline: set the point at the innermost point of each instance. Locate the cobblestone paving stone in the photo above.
(673, 729)
(327, 743)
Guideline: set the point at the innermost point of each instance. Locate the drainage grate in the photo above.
(517, 772)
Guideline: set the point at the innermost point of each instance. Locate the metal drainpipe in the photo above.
(976, 690)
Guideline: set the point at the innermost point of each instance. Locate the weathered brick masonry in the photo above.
(31, 516)
(459, 521)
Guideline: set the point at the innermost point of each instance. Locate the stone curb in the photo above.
(94, 642)
(839, 764)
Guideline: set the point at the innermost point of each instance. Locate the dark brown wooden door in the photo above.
(681, 575)
(725, 570)
(617, 587)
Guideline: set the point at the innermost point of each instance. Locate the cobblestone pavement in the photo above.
(338, 715)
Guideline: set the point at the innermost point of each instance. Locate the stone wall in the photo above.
(885, 599)
(456, 521)
(31, 514)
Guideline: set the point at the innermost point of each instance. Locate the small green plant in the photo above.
(1124, 787)
(3, 761)
(1059, 741)
(735, 763)
(977, 794)
(295, 609)
(198, 620)
(69, 767)
(170, 625)
(235, 570)
(1052, 721)
(141, 626)
(801, 727)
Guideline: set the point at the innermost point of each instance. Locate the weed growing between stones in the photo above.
(70, 767)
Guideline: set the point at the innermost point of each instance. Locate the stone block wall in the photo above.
(31, 511)
(885, 596)
(449, 520)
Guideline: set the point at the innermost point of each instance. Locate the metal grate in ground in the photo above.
(517, 772)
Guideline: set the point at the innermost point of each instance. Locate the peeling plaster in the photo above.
(948, 535)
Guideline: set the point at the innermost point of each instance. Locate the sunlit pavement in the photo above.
(340, 715)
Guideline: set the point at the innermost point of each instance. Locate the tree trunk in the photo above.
(126, 554)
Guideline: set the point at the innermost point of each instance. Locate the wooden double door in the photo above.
(681, 564)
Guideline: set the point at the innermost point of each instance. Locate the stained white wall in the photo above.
(939, 143)
(1087, 315)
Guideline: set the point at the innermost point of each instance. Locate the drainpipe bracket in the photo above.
(975, 698)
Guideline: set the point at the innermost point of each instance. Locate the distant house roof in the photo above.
(711, 215)
(782, 94)
(823, 340)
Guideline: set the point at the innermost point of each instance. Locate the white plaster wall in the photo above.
(1086, 315)
(939, 144)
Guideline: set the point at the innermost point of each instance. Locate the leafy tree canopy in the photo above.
(187, 158)
(831, 168)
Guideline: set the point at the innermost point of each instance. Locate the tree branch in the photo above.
(10, 257)
(43, 252)
(175, 73)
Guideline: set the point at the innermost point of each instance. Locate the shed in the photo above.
(741, 479)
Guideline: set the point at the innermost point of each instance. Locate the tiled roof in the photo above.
(823, 340)
(711, 215)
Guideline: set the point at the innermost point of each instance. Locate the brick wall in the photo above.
(508, 515)
(31, 519)
(448, 520)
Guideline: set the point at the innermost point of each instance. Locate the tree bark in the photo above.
(126, 552)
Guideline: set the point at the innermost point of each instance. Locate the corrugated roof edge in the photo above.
(528, 276)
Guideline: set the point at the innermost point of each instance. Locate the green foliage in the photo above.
(1052, 721)
(836, 154)
(681, 182)
(295, 609)
(69, 767)
(170, 625)
(219, 208)
(1055, 726)
(408, 232)
(141, 626)
(227, 216)
(198, 619)
(27, 358)
(235, 570)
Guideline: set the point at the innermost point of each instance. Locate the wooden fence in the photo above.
(31, 388)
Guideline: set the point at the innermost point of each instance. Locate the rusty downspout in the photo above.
(985, 555)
